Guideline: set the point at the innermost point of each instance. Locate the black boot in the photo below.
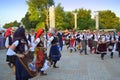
(112, 55)
(102, 56)
(70, 50)
(43, 73)
(54, 65)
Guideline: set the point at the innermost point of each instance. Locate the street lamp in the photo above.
(75, 19)
(97, 19)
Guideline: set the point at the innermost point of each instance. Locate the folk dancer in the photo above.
(102, 46)
(31, 38)
(60, 36)
(95, 38)
(9, 57)
(19, 48)
(84, 42)
(112, 44)
(78, 41)
(118, 43)
(72, 42)
(39, 58)
(54, 53)
(90, 41)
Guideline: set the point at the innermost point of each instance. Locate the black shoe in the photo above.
(102, 58)
(75, 50)
(111, 57)
(55, 67)
(86, 54)
(43, 73)
(10, 65)
(70, 50)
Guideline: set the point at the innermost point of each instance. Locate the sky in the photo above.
(11, 10)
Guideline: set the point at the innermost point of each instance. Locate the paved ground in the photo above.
(73, 66)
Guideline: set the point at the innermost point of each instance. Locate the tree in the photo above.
(84, 19)
(108, 19)
(59, 17)
(69, 20)
(28, 23)
(12, 24)
(38, 8)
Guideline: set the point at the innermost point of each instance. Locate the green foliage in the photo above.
(28, 23)
(69, 19)
(37, 17)
(108, 19)
(59, 17)
(12, 24)
(84, 19)
(40, 25)
(39, 9)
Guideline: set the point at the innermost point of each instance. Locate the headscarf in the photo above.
(20, 34)
(39, 32)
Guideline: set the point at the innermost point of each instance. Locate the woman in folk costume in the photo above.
(90, 41)
(72, 42)
(19, 48)
(40, 58)
(54, 53)
(112, 43)
(102, 45)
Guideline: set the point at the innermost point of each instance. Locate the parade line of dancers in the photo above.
(20, 44)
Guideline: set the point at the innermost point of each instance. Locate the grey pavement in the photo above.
(73, 66)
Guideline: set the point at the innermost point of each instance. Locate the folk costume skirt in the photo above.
(102, 48)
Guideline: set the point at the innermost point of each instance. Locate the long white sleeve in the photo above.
(7, 43)
(10, 51)
(35, 44)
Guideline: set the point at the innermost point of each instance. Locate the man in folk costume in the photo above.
(102, 45)
(95, 38)
(84, 42)
(78, 40)
(118, 43)
(67, 40)
(31, 38)
(66, 36)
(107, 34)
(10, 57)
(60, 36)
(19, 48)
(112, 43)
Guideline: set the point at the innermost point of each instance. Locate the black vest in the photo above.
(20, 48)
(10, 40)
